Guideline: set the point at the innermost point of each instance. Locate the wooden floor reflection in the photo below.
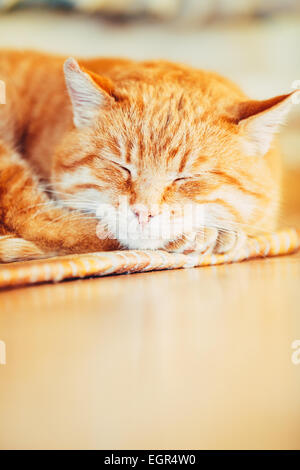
(196, 358)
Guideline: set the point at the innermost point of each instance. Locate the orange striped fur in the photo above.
(161, 135)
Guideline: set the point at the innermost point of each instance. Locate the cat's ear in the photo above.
(260, 120)
(88, 92)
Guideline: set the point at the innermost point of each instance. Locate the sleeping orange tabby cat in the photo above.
(77, 140)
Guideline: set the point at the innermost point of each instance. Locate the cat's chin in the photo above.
(143, 244)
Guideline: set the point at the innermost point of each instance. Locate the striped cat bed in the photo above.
(117, 262)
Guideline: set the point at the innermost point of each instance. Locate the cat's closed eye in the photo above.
(181, 179)
(121, 167)
(125, 169)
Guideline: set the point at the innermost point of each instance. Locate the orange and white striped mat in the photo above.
(117, 262)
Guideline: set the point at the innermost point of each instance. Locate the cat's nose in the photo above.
(143, 214)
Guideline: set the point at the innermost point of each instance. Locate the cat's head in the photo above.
(163, 150)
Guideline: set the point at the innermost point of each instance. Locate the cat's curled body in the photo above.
(78, 141)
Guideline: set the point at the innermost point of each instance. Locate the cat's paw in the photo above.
(210, 240)
(13, 248)
(229, 241)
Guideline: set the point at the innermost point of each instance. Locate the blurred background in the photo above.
(253, 42)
